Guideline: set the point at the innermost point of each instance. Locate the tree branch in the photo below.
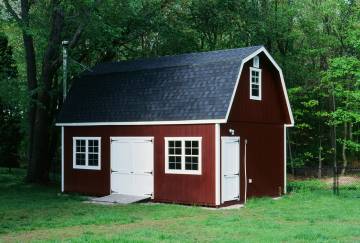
(12, 12)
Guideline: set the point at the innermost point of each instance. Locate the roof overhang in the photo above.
(139, 123)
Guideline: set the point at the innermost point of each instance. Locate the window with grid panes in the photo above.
(183, 155)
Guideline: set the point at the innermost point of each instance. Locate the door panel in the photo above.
(132, 166)
(230, 160)
(121, 156)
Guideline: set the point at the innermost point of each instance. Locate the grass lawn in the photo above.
(36, 213)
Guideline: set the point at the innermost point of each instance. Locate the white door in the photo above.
(132, 163)
(230, 160)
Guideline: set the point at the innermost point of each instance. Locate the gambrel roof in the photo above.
(186, 88)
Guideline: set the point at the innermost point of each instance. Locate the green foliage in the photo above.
(10, 114)
(315, 42)
(307, 185)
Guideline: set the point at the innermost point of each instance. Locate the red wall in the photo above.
(191, 189)
(272, 108)
(265, 157)
(261, 123)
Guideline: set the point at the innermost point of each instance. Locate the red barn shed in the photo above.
(203, 128)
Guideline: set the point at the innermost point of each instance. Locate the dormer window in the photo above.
(255, 80)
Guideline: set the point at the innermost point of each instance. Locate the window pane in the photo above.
(80, 159)
(178, 151)
(171, 143)
(191, 163)
(171, 151)
(80, 145)
(175, 162)
(195, 143)
(187, 144)
(188, 151)
(178, 144)
(255, 92)
(93, 160)
(178, 166)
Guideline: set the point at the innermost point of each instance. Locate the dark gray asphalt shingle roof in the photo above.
(195, 86)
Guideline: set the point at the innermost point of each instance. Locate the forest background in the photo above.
(316, 43)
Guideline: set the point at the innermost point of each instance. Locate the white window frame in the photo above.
(86, 166)
(254, 97)
(183, 170)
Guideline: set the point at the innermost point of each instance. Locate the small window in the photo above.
(255, 83)
(256, 62)
(183, 155)
(86, 153)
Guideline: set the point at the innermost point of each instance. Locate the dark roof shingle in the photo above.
(195, 86)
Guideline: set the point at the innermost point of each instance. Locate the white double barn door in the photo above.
(230, 160)
(132, 163)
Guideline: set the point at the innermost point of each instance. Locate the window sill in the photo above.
(86, 167)
(182, 172)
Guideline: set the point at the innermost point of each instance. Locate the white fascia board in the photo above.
(62, 159)
(262, 49)
(143, 123)
(217, 165)
(285, 162)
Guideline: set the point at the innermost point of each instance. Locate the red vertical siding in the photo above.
(265, 157)
(261, 123)
(272, 108)
(191, 189)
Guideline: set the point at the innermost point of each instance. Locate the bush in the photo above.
(307, 185)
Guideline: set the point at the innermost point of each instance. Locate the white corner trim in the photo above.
(143, 123)
(262, 49)
(285, 162)
(217, 164)
(62, 159)
(245, 172)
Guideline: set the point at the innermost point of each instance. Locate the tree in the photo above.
(46, 56)
(10, 115)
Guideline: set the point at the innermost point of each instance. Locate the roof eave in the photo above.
(141, 123)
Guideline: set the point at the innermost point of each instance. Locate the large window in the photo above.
(86, 153)
(183, 155)
(255, 83)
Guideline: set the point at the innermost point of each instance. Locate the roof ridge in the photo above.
(165, 61)
(181, 54)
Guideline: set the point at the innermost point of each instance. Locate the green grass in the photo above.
(37, 213)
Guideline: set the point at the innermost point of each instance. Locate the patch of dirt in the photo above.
(344, 180)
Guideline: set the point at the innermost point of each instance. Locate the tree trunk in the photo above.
(39, 165)
(290, 153)
(31, 75)
(320, 159)
(344, 156)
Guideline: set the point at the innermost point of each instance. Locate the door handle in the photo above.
(149, 172)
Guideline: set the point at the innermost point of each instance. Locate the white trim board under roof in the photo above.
(249, 55)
